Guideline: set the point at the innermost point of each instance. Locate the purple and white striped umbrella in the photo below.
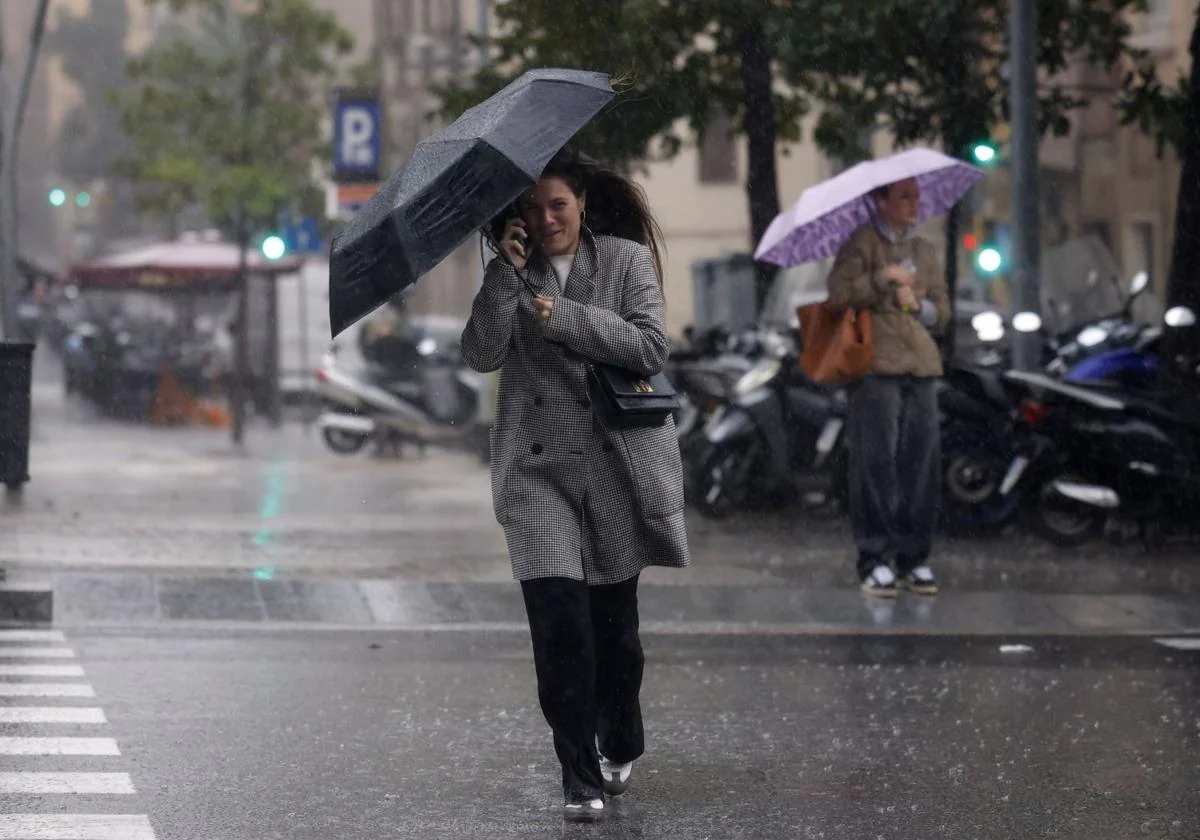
(826, 215)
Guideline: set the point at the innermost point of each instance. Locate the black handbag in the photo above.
(628, 399)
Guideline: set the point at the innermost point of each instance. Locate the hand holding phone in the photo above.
(514, 242)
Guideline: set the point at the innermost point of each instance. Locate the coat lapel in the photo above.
(582, 281)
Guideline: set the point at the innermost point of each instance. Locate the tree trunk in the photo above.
(762, 185)
(241, 333)
(1183, 284)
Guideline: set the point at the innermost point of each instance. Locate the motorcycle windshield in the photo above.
(794, 287)
(1080, 283)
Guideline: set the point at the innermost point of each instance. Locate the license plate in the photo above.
(829, 436)
(1015, 470)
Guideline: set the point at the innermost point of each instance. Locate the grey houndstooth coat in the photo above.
(576, 498)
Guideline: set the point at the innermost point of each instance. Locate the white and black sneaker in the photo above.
(615, 776)
(587, 810)
(920, 581)
(881, 582)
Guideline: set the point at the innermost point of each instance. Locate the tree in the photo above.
(228, 113)
(91, 48)
(935, 72)
(675, 64)
(1172, 115)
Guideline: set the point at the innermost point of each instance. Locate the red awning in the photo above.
(195, 266)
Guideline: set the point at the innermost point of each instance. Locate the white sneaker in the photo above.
(921, 581)
(881, 582)
(615, 776)
(589, 811)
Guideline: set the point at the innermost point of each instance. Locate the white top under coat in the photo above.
(562, 268)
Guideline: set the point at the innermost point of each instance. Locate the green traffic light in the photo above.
(58, 197)
(984, 152)
(83, 199)
(989, 260)
(273, 247)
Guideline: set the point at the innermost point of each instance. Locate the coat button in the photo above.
(585, 403)
(606, 446)
(537, 401)
(536, 449)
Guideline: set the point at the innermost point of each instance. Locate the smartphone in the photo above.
(495, 228)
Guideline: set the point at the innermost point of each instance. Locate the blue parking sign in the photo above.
(357, 139)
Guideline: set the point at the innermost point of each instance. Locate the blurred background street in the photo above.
(253, 586)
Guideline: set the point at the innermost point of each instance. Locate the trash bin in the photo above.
(16, 380)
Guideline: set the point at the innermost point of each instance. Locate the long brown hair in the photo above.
(615, 205)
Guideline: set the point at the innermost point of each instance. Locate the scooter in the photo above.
(1120, 456)
(445, 403)
(773, 434)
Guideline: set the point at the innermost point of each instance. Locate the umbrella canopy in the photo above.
(455, 183)
(826, 215)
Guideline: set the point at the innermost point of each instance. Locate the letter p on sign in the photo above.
(358, 129)
(357, 144)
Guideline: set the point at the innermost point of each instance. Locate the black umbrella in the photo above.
(455, 183)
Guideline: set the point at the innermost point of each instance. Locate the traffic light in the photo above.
(273, 247)
(984, 152)
(83, 199)
(986, 245)
(58, 197)
(989, 259)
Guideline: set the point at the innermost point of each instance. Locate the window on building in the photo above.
(718, 161)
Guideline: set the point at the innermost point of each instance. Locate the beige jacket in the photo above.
(903, 344)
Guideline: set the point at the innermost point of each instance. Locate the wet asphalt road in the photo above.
(321, 734)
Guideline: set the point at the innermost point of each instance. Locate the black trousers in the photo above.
(895, 470)
(589, 664)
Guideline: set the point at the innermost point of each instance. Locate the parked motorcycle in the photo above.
(773, 434)
(1119, 455)
(436, 400)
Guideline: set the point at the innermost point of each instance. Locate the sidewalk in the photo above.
(126, 599)
(131, 523)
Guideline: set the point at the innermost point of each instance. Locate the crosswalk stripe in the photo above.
(41, 670)
(75, 827)
(15, 652)
(80, 783)
(27, 689)
(13, 745)
(31, 636)
(50, 714)
(1182, 643)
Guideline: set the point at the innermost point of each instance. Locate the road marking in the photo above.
(1183, 643)
(75, 827)
(41, 671)
(80, 783)
(58, 746)
(31, 636)
(50, 714)
(13, 652)
(28, 689)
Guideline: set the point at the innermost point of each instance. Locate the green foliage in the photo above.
(671, 61)
(91, 48)
(227, 112)
(1156, 109)
(935, 71)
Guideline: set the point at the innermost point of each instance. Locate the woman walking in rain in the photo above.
(585, 504)
(895, 475)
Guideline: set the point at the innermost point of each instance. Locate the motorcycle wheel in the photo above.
(343, 442)
(972, 472)
(1067, 526)
(720, 488)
